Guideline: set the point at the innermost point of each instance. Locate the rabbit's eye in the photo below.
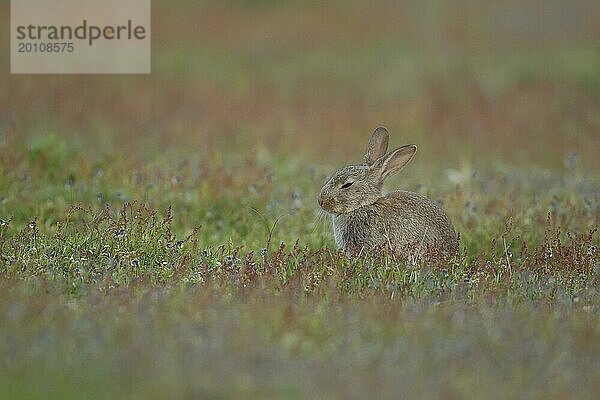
(347, 185)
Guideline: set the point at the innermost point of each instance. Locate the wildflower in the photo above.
(32, 224)
(120, 232)
(548, 281)
(2, 222)
(229, 261)
(179, 244)
(591, 250)
(548, 254)
(263, 251)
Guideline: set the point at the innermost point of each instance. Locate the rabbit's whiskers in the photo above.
(319, 220)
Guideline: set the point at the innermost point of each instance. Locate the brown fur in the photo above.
(363, 217)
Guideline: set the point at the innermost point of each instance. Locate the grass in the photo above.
(160, 238)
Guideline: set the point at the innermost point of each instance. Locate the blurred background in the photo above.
(469, 81)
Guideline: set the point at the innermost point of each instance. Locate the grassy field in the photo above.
(160, 235)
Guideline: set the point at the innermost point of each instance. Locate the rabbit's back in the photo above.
(402, 220)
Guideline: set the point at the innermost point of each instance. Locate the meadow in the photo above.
(160, 235)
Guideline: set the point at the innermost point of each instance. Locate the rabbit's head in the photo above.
(359, 185)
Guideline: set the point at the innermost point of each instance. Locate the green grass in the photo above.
(159, 288)
(160, 236)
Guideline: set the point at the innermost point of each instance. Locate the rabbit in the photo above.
(363, 217)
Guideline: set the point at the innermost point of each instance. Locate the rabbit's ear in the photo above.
(378, 144)
(395, 160)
